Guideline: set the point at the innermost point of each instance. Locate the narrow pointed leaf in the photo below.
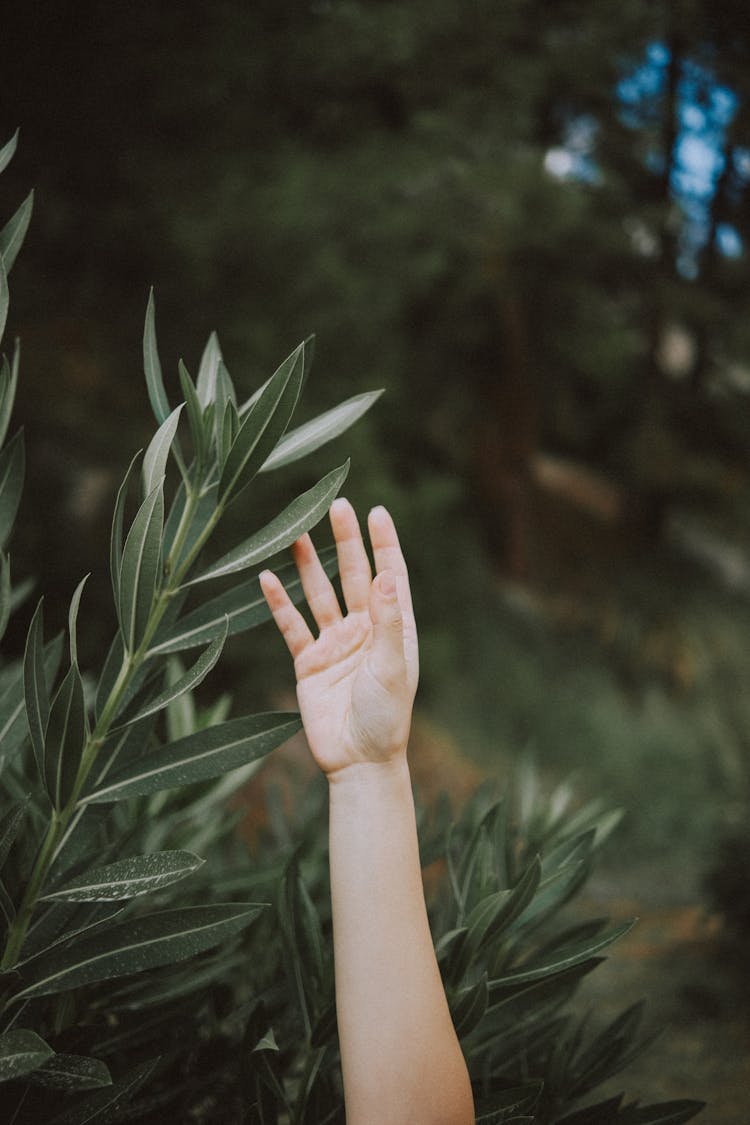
(302, 514)
(208, 370)
(6, 594)
(36, 691)
(9, 826)
(198, 429)
(243, 606)
(105, 1107)
(139, 570)
(21, 1051)
(14, 726)
(8, 385)
(4, 297)
(152, 365)
(191, 679)
(157, 453)
(72, 1072)
(200, 756)
(137, 944)
(128, 878)
(115, 545)
(64, 738)
(12, 468)
(73, 619)
(264, 425)
(113, 663)
(14, 232)
(298, 443)
(7, 151)
(560, 961)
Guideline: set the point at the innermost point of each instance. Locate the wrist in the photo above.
(371, 775)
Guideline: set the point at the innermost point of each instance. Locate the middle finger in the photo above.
(320, 594)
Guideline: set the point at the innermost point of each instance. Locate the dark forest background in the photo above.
(529, 222)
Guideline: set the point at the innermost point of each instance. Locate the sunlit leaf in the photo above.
(302, 514)
(128, 878)
(156, 455)
(135, 945)
(75, 603)
(200, 756)
(305, 439)
(14, 232)
(152, 365)
(208, 370)
(8, 151)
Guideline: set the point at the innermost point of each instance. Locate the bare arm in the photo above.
(401, 1060)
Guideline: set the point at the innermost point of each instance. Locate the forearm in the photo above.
(400, 1056)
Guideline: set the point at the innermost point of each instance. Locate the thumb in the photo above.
(387, 654)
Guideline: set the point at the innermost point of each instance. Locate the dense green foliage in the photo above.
(134, 984)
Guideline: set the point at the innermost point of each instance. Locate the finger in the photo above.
(288, 618)
(387, 552)
(320, 594)
(354, 565)
(387, 654)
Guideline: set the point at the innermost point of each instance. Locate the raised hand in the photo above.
(356, 681)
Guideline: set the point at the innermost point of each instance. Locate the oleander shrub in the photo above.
(154, 967)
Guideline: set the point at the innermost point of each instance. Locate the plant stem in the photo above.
(130, 665)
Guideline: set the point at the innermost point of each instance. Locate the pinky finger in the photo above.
(290, 622)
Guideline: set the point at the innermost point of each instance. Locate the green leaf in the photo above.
(8, 385)
(200, 756)
(104, 1107)
(191, 679)
(243, 606)
(469, 1005)
(4, 298)
(263, 426)
(208, 370)
(64, 738)
(21, 1051)
(7, 151)
(9, 826)
(157, 454)
(35, 686)
(561, 960)
(128, 878)
(115, 545)
(14, 725)
(139, 570)
(14, 232)
(72, 1072)
(6, 594)
(75, 603)
(304, 439)
(199, 431)
(113, 663)
(204, 512)
(297, 518)
(135, 945)
(152, 365)
(12, 468)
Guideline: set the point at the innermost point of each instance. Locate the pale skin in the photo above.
(356, 681)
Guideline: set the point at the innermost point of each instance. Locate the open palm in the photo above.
(356, 681)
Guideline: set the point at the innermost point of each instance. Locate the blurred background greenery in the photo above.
(529, 222)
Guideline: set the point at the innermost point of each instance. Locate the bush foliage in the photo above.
(152, 965)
